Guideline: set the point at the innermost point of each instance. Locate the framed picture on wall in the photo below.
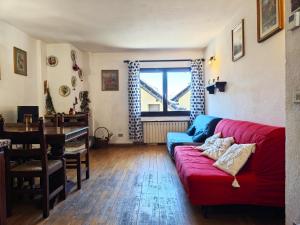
(269, 18)
(238, 41)
(20, 61)
(295, 5)
(110, 80)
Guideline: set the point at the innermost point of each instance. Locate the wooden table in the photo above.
(3, 144)
(56, 137)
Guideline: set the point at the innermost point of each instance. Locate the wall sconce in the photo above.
(211, 60)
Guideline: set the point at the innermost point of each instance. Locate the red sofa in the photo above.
(261, 180)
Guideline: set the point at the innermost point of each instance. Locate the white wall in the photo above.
(256, 83)
(62, 73)
(110, 108)
(17, 89)
(292, 125)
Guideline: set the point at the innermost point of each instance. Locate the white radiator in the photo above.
(156, 131)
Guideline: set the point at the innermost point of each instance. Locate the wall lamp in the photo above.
(211, 59)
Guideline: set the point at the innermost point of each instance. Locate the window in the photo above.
(165, 91)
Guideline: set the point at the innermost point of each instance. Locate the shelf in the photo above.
(211, 89)
(220, 85)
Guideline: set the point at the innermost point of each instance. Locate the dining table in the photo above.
(56, 137)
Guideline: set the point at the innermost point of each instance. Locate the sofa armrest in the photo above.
(193, 143)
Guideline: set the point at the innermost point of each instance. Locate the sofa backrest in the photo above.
(269, 157)
(202, 121)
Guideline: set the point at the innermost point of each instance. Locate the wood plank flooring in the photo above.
(136, 185)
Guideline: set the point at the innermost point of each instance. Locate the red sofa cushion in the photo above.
(261, 180)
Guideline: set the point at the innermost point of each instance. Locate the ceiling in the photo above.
(116, 25)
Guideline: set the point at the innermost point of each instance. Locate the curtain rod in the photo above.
(164, 60)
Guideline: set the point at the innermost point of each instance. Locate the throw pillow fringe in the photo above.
(235, 183)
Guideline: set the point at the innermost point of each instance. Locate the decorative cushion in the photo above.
(4, 143)
(218, 148)
(199, 136)
(209, 142)
(235, 158)
(191, 130)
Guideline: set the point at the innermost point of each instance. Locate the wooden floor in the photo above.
(136, 185)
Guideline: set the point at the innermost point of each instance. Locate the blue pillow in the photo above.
(191, 130)
(199, 137)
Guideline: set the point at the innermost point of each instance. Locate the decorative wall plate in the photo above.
(74, 82)
(52, 61)
(73, 56)
(80, 74)
(64, 90)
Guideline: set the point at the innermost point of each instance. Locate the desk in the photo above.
(3, 144)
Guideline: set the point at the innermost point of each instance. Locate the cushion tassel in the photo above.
(235, 183)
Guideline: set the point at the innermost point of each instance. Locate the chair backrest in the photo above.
(19, 134)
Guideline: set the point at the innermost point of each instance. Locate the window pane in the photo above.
(179, 91)
(151, 91)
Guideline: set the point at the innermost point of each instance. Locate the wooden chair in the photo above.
(76, 152)
(52, 173)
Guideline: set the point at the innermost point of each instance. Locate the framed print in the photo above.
(110, 80)
(269, 18)
(295, 5)
(20, 61)
(238, 41)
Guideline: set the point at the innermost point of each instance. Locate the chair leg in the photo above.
(63, 178)
(45, 198)
(8, 196)
(78, 172)
(87, 165)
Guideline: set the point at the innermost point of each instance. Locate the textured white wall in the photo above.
(292, 125)
(17, 89)
(256, 83)
(110, 108)
(62, 73)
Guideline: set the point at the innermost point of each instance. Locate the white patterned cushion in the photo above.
(218, 148)
(4, 143)
(209, 142)
(235, 158)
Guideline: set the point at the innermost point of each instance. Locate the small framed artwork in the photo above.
(110, 80)
(295, 5)
(238, 41)
(20, 61)
(269, 18)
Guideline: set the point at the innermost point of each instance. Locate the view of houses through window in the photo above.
(165, 91)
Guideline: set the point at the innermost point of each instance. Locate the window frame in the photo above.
(164, 72)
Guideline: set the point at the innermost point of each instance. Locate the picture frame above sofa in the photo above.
(238, 41)
(270, 18)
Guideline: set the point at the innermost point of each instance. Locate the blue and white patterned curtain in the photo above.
(134, 102)
(197, 89)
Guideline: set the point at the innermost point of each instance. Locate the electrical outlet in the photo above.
(120, 135)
